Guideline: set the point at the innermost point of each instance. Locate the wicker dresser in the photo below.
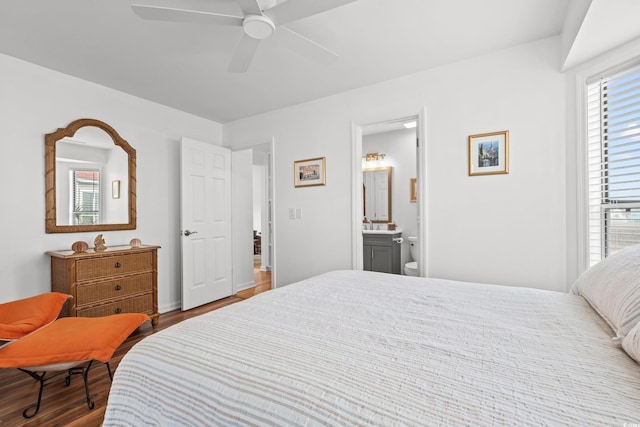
(120, 279)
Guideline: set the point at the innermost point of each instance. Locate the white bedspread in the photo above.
(359, 348)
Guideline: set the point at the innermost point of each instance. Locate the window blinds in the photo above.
(613, 156)
(86, 197)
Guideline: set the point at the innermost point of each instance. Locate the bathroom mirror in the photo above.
(377, 194)
(84, 162)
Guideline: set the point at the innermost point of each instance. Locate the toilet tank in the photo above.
(413, 247)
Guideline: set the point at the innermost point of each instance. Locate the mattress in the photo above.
(355, 348)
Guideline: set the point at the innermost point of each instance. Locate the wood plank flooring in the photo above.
(67, 406)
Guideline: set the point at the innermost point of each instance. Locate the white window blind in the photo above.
(86, 196)
(613, 138)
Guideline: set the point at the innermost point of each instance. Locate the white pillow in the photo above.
(612, 287)
(631, 343)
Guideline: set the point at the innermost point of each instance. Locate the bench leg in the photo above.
(33, 409)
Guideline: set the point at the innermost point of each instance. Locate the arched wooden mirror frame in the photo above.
(50, 139)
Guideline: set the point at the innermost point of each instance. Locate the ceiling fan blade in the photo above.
(292, 10)
(303, 46)
(243, 55)
(182, 15)
(250, 7)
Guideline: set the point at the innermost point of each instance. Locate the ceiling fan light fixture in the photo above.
(257, 26)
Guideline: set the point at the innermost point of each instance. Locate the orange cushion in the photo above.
(21, 317)
(71, 339)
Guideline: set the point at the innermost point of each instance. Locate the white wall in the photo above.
(258, 179)
(242, 218)
(37, 101)
(508, 229)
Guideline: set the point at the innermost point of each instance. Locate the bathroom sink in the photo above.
(397, 230)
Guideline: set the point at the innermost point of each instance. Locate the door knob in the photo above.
(189, 233)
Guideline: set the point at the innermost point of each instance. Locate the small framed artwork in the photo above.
(489, 153)
(413, 190)
(310, 172)
(115, 189)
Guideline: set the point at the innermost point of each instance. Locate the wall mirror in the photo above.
(377, 194)
(84, 162)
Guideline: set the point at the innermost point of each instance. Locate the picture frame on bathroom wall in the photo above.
(489, 153)
(309, 172)
(115, 189)
(413, 190)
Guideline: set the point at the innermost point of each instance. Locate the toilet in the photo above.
(411, 268)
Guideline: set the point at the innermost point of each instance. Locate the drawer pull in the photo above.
(118, 265)
(118, 287)
(118, 310)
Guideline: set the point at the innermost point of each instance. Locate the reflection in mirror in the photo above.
(85, 167)
(82, 162)
(377, 194)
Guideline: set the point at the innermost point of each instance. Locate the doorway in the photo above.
(262, 215)
(253, 219)
(359, 133)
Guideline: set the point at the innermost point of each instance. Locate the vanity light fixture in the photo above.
(373, 157)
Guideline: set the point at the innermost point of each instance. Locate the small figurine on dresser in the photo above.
(79, 247)
(99, 243)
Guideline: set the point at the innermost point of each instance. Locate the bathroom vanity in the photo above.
(382, 250)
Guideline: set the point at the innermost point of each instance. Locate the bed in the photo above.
(370, 349)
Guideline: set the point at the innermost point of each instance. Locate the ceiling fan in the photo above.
(258, 25)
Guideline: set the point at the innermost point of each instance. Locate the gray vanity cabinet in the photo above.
(381, 253)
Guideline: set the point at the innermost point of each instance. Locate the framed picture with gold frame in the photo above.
(413, 190)
(309, 172)
(115, 189)
(489, 153)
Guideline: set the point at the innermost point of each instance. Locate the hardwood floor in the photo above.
(66, 405)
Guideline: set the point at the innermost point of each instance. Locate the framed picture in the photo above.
(310, 172)
(413, 190)
(489, 153)
(115, 189)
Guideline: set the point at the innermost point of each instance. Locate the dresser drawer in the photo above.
(139, 304)
(95, 292)
(87, 269)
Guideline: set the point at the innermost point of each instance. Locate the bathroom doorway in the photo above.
(394, 143)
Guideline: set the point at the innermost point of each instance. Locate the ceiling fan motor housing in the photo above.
(258, 26)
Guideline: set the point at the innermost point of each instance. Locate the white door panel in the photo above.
(205, 223)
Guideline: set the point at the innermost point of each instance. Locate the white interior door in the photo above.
(205, 223)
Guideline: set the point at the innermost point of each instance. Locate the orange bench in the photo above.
(68, 345)
(21, 317)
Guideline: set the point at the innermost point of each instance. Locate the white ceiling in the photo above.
(595, 27)
(184, 66)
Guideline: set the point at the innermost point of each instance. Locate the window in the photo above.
(85, 185)
(613, 155)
